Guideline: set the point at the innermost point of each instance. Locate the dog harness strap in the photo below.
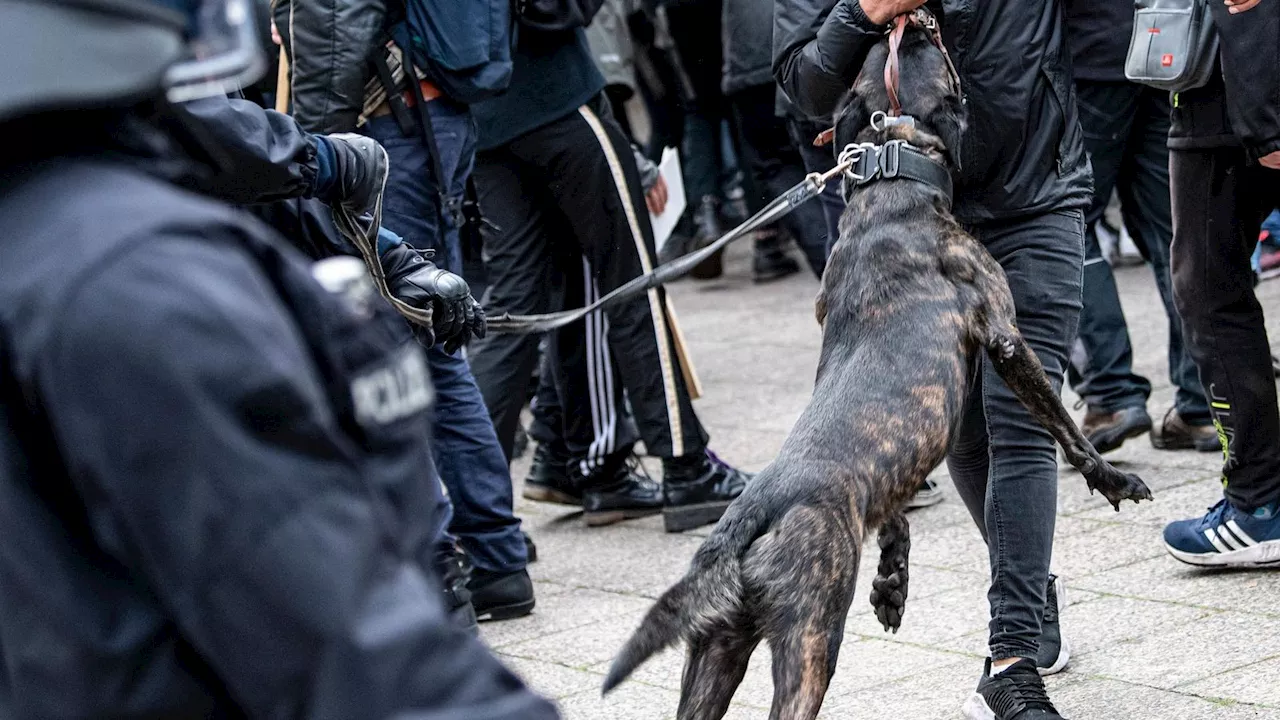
(891, 65)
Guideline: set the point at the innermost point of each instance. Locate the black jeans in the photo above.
(819, 160)
(1126, 131)
(572, 225)
(1219, 203)
(1002, 461)
(774, 166)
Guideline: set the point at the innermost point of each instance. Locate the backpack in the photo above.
(555, 15)
(467, 45)
(1174, 44)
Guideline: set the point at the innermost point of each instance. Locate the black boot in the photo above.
(548, 479)
(770, 261)
(697, 489)
(616, 492)
(707, 225)
(501, 596)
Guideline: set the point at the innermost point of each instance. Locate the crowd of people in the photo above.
(256, 460)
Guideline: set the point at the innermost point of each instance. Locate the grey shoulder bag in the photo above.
(1174, 44)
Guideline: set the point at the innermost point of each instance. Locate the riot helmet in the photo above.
(87, 54)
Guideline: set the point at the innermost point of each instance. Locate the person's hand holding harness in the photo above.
(882, 12)
(416, 281)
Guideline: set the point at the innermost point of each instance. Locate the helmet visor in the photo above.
(224, 52)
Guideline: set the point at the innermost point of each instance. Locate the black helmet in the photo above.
(80, 54)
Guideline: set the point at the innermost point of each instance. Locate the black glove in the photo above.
(416, 281)
(361, 171)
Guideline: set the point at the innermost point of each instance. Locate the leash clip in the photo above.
(855, 156)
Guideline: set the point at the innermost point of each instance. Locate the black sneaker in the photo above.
(501, 596)
(549, 480)
(697, 489)
(929, 493)
(1015, 694)
(455, 574)
(1055, 651)
(618, 492)
(1107, 431)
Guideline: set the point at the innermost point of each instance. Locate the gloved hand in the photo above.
(416, 281)
(360, 169)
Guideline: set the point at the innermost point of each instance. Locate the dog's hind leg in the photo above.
(1021, 370)
(889, 588)
(713, 671)
(804, 659)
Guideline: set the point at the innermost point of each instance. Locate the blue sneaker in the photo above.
(1227, 537)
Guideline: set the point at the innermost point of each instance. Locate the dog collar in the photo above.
(892, 160)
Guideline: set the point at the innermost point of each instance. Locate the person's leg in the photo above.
(1002, 461)
(1218, 206)
(1145, 205)
(1102, 364)
(591, 175)
(594, 426)
(471, 464)
(774, 166)
(819, 160)
(522, 281)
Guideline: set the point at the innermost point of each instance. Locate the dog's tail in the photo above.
(708, 595)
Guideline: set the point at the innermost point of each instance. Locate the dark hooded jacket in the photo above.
(1022, 152)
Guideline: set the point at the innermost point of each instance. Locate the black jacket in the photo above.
(1240, 107)
(209, 473)
(330, 43)
(1023, 150)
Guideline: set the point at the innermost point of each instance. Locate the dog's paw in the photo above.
(1003, 347)
(889, 598)
(1117, 486)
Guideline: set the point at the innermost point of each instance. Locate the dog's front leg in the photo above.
(889, 588)
(1021, 370)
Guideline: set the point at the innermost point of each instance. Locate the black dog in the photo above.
(907, 303)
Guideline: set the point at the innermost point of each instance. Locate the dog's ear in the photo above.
(852, 117)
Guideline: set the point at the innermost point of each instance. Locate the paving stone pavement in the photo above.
(1152, 639)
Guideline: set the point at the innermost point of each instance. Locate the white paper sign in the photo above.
(666, 222)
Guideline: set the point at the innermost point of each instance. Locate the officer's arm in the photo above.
(818, 49)
(265, 155)
(1250, 51)
(188, 407)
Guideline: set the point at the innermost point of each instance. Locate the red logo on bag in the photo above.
(1167, 60)
(1154, 31)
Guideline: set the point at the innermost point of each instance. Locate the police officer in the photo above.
(210, 494)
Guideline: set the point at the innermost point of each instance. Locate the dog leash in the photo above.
(804, 191)
(362, 232)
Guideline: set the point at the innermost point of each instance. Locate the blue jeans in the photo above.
(471, 463)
